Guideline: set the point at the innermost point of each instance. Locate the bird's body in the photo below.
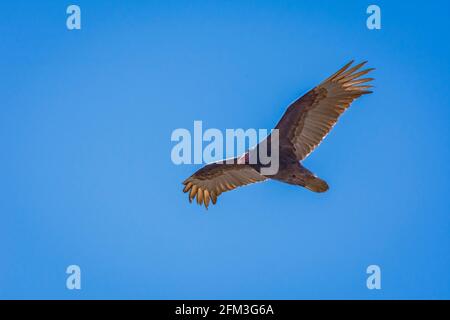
(295, 173)
(301, 129)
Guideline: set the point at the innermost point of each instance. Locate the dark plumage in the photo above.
(303, 126)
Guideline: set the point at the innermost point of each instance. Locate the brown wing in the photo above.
(213, 179)
(309, 119)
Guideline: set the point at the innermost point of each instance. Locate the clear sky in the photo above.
(86, 176)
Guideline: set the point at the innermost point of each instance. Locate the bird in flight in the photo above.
(306, 122)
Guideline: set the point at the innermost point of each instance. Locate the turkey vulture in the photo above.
(303, 126)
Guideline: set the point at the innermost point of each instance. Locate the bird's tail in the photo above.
(316, 184)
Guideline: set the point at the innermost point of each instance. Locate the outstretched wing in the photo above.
(309, 119)
(213, 179)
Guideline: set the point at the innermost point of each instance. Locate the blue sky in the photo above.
(86, 175)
